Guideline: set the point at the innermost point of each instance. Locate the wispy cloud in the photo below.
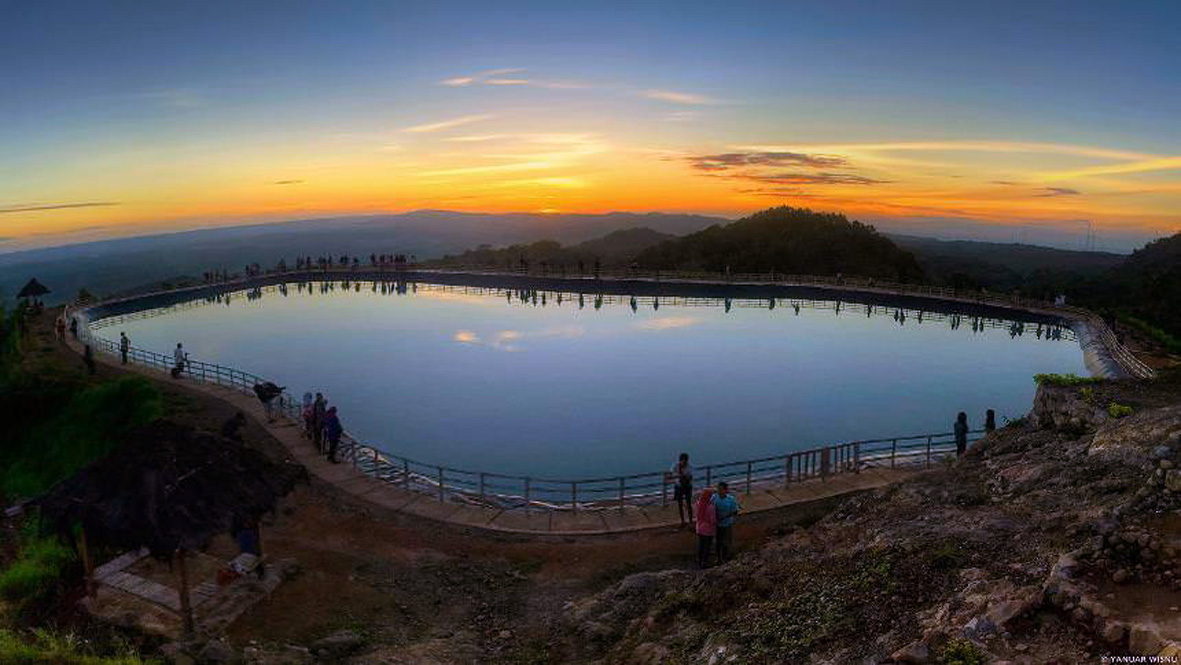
(667, 323)
(508, 77)
(1058, 191)
(458, 81)
(56, 206)
(287, 182)
(1138, 166)
(730, 160)
(448, 124)
(678, 97)
(502, 81)
(477, 138)
(466, 337)
(957, 146)
(796, 178)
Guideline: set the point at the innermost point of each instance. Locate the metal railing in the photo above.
(645, 489)
(506, 491)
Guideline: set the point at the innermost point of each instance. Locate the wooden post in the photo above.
(825, 461)
(186, 609)
(621, 492)
(87, 563)
(574, 497)
(857, 457)
(893, 451)
(787, 470)
(482, 481)
(527, 482)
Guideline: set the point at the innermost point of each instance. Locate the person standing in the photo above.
(306, 412)
(333, 430)
(707, 526)
(727, 508)
(124, 347)
(961, 434)
(682, 475)
(178, 360)
(990, 421)
(319, 409)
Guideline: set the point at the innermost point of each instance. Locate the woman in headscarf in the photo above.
(308, 414)
(707, 525)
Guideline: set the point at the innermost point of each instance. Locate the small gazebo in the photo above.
(168, 489)
(33, 289)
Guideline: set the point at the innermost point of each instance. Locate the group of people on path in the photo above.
(322, 425)
(713, 513)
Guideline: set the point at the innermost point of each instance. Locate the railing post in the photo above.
(749, 468)
(574, 497)
(825, 461)
(440, 484)
(857, 457)
(482, 474)
(928, 451)
(893, 451)
(527, 496)
(787, 470)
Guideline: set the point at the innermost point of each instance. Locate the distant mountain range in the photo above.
(111, 266)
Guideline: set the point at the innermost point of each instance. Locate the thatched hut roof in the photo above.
(33, 289)
(168, 487)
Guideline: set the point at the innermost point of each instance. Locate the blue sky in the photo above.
(172, 115)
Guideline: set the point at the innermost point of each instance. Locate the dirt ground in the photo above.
(406, 582)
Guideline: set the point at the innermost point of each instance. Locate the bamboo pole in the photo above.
(186, 608)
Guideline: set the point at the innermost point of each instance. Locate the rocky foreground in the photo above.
(1055, 540)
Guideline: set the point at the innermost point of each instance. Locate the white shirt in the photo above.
(179, 355)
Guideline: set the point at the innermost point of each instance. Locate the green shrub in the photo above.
(1064, 379)
(962, 652)
(33, 579)
(1117, 410)
(87, 428)
(41, 647)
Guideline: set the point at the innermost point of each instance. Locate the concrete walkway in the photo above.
(538, 521)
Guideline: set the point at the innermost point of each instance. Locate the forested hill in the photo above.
(617, 248)
(1148, 284)
(787, 240)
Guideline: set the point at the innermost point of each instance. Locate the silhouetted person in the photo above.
(706, 526)
(319, 410)
(332, 430)
(179, 358)
(961, 434)
(88, 359)
(682, 475)
(231, 428)
(989, 420)
(727, 509)
(268, 393)
(124, 347)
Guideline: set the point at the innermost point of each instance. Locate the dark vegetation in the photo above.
(58, 421)
(787, 240)
(616, 249)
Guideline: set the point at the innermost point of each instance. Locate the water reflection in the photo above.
(577, 383)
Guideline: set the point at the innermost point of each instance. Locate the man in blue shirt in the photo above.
(727, 508)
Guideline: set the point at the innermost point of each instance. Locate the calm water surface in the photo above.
(481, 379)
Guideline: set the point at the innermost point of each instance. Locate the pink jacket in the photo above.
(707, 519)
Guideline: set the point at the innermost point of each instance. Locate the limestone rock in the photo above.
(915, 653)
(337, 645)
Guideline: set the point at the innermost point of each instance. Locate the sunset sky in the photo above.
(131, 117)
